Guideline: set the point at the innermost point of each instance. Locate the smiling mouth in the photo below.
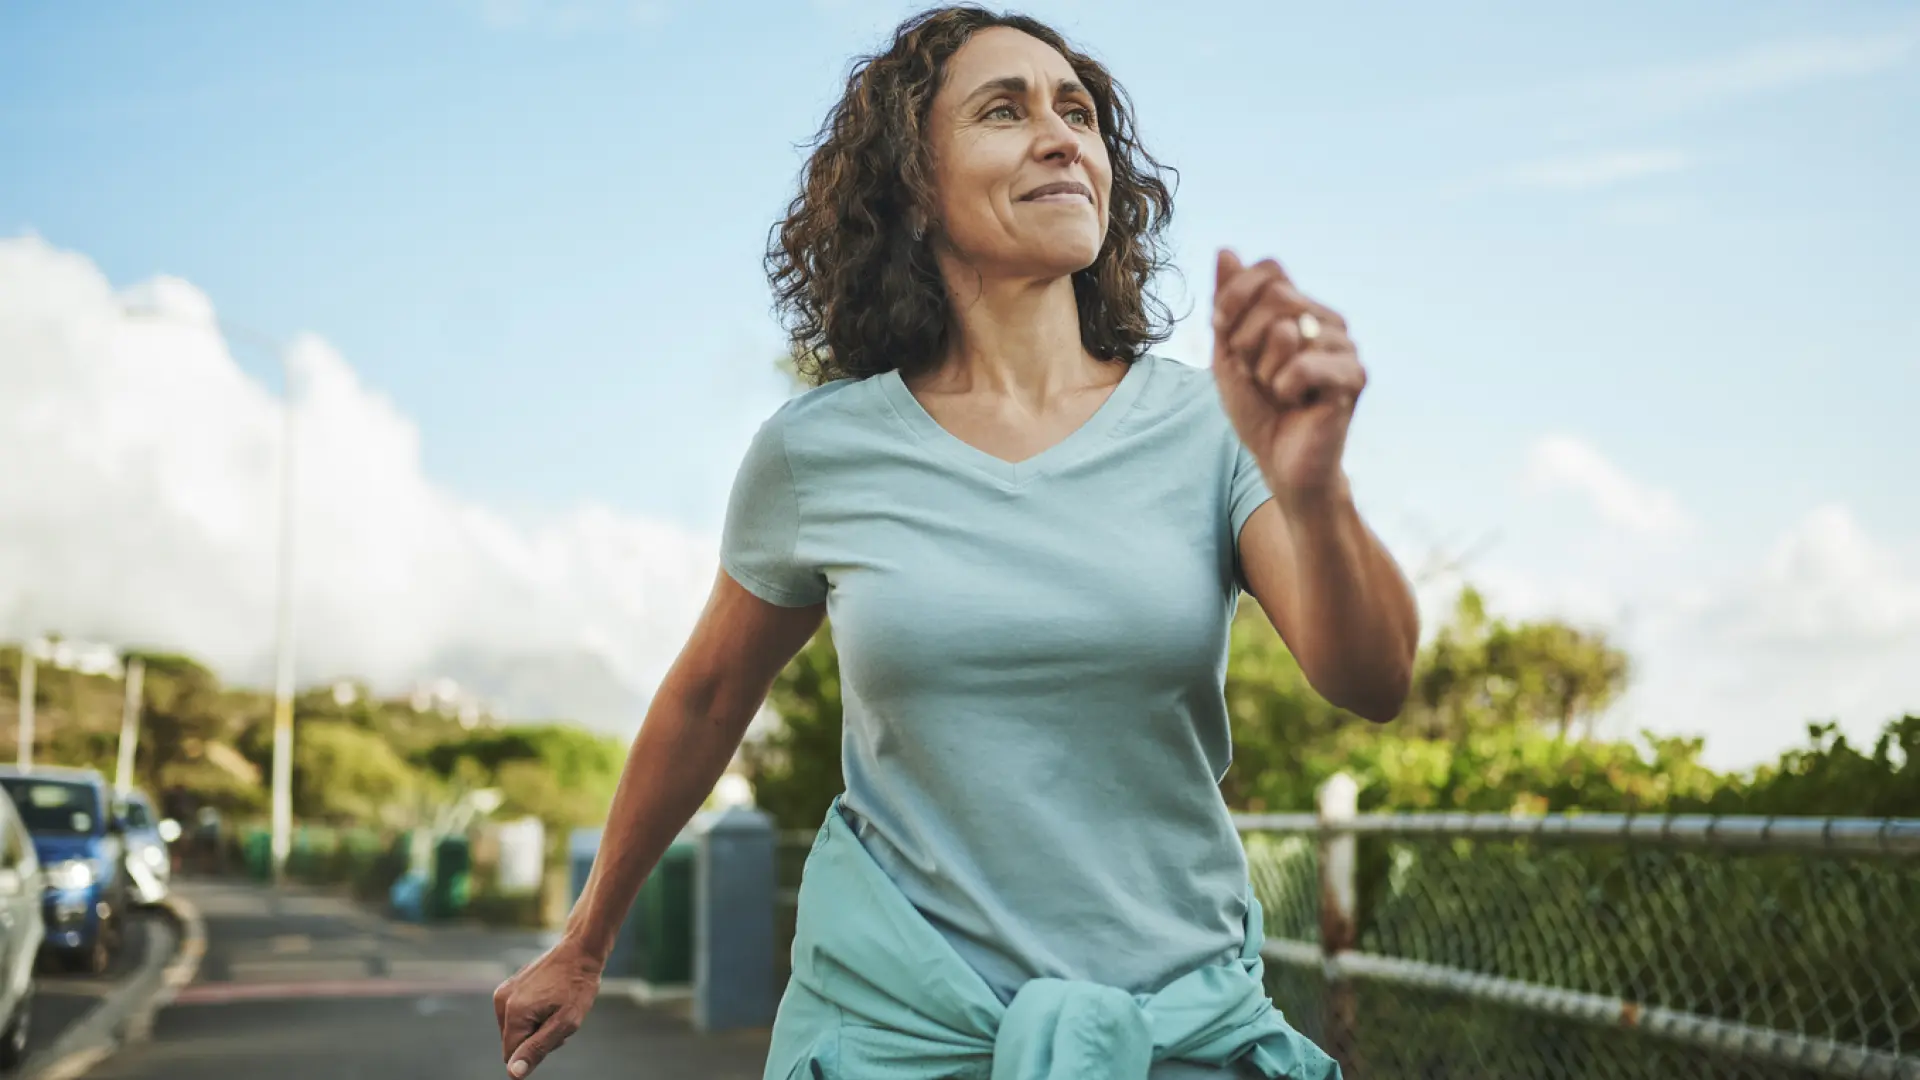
(1060, 192)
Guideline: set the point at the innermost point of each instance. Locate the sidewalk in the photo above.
(300, 984)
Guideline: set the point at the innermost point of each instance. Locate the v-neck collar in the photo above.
(939, 440)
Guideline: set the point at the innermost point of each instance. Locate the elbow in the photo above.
(1383, 692)
(1380, 704)
(1379, 694)
(1381, 710)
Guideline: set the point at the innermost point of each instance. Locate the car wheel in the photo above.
(13, 1042)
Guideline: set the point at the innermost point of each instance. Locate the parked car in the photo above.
(77, 840)
(22, 931)
(149, 862)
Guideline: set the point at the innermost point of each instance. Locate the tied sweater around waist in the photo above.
(878, 994)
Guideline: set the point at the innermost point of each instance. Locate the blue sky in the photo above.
(1679, 240)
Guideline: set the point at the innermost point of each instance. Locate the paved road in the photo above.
(60, 1000)
(302, 987)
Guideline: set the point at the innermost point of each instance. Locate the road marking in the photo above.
(278, 971)
(315, 906)
(178, 973)
(292, 943)
(224, 993)
(447, 970)
(74, 1066)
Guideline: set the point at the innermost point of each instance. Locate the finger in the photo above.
(1317, 377)
(1277, 349)
(1285, 336)
(1277, 302)
(500, 995)
(1226, 267)
(1231, 304)
(555, 1031)
(521, 1024)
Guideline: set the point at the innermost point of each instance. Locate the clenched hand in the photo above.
(543, 1004)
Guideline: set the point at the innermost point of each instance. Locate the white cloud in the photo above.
(1594, 171)
(1563, 463)
(1761, 69)
(1826, 584)
(1826, 626)
(138, 506)
(1743, 643)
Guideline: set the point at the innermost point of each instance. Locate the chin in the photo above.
(1064, 258)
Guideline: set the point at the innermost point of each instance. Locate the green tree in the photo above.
(345, 775)
(561, 774)
(183, 708)
(1481, 672)
(1552, 672)
(795, 768)
(1829, 776)
(1286, 737)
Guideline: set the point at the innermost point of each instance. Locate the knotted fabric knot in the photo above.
(1062, 1029)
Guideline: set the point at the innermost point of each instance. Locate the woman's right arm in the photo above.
(692, 728)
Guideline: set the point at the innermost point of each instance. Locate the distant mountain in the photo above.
(576, 686)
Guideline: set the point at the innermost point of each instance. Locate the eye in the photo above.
(1086, 115)
(997, 109)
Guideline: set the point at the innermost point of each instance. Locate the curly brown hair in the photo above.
(860, 295)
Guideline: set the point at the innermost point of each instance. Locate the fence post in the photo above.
(733, 897)
(1339, 802)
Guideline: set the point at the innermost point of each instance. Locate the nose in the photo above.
(1057, 141)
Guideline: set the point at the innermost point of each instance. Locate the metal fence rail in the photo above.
(1576, 946)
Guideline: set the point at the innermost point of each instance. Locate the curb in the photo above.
(125, 1014)
(178, 973)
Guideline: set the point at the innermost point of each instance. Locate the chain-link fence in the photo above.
(1595, 946)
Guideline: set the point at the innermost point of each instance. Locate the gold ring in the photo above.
(1309, 326)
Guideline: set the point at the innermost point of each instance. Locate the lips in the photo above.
(1057, 188)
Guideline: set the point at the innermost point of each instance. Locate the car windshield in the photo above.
(54, 806)
(136, 814)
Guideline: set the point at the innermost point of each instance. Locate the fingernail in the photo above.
(517, 1069)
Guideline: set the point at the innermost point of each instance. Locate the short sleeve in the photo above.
(1249, 489)
(1245, 494)
(760, 540)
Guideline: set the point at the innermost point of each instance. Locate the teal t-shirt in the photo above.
(1032, 658)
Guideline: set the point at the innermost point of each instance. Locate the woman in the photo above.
(1031, 536)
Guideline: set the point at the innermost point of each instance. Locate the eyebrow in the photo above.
(1017, 85)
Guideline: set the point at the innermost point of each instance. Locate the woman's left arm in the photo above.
(1289, 377)
(1337, 598)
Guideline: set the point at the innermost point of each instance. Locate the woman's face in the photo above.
(1022, 174)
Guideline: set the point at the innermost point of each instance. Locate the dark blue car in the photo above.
(79, 841)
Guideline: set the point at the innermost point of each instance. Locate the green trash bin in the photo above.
(259, 854)
(663, 918)
(451, 884)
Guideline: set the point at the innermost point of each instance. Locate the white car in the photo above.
(22, 929)
(149, 863)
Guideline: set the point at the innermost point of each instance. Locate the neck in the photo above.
(1017, 337)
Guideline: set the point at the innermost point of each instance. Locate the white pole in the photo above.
(1339, 800)
(130, 725)
(283, 680)
(27, 660)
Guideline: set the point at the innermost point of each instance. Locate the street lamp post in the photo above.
(283, 668)
(282, 779)
(30, 651)
(130, 725)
